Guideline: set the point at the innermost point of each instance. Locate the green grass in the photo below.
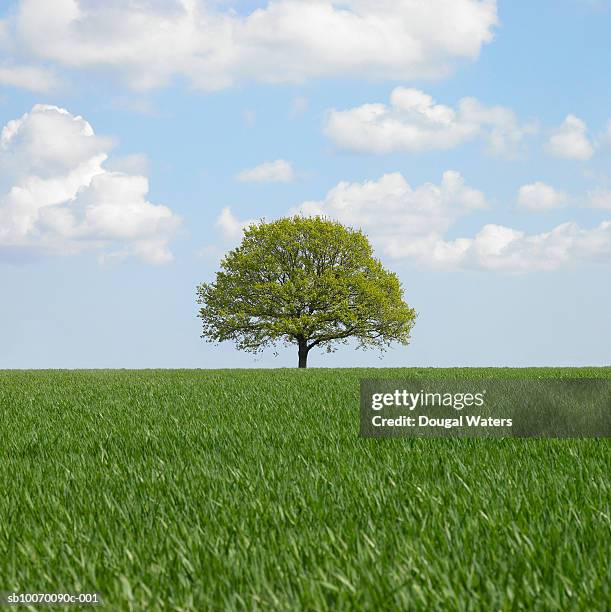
(251, 489)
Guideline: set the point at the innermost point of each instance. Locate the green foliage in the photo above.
(244, 490)
(308, 281)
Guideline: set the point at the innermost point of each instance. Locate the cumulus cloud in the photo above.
(570, 140)
(394, 210)
(496, 247)
(279, 171)
(58, 197)
(412, 224)
(230, 226)
(540, 197)
(414, 122)
(148, 43)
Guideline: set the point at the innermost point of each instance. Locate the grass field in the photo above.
(251, 489)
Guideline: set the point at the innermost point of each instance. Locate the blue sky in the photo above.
(506, 259)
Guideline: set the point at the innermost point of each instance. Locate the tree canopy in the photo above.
(308, 281)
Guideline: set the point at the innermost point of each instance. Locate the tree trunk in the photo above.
(303, 354)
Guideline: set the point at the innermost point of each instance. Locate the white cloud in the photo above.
(392, 208)
(403, 222)
(28, 77)
(230, 226)
(496, 247)
(570, 140)
(540, 197)
(411, 224)
(499, 126)
(414, 122)
(58, 197)
(279, 171)
(149, 43)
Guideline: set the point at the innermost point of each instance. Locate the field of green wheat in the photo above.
(250, 489)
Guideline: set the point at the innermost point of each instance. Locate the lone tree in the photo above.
(307, 281)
